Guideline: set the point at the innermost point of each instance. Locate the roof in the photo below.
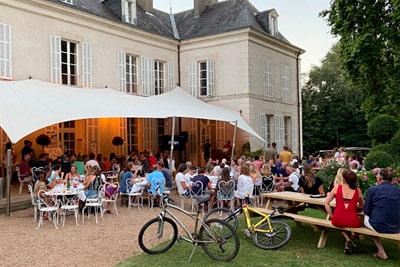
(221, 17)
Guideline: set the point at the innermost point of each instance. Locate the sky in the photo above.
(298, 21)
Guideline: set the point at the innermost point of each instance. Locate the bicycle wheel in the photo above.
(275, 239)
(150, 241)
(223, 214)
(215, 245)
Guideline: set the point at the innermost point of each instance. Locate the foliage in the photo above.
(251, 154)
(381, 147)
(382, 128)
(368, 48)
(328, 103)
(328, 172)
(395, 146)
(378, 159)
(117, 141)
(43, 140)
(366, 179)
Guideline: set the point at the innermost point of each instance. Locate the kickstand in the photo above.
(195, 246)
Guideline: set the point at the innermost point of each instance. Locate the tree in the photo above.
(331, 108)
(369, 48)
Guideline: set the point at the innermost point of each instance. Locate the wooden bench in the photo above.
(324, 225)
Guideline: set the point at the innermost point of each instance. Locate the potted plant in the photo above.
(43, 140)
(118, 141)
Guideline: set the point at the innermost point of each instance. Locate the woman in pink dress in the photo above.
(348, 200)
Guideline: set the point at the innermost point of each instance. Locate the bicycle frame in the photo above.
(192, 239)
(254, 227)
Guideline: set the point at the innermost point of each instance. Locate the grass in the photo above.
(300, 251)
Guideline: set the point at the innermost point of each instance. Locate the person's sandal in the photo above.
(380, 257)
(347, 251)
(352, 247)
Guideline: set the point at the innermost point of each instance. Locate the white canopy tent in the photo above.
(29, 105)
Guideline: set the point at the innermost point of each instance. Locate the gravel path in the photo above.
(107, 243)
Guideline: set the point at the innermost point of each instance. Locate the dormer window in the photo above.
(71, 2)
(273, 22)
(129, 11)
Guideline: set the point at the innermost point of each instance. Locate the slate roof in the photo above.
(225, 16)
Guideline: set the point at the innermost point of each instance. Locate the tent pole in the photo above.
(8, 170)
(234, 140)
(172, 144)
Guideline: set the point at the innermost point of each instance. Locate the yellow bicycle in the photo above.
(267, 233)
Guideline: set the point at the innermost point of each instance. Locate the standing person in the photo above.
(285, 155)
(27, 149)
(227, 149)
(348, 199)
(206, 147)
(382, 209)
(271, 153)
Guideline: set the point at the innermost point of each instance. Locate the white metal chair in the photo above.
(195, 191)
(34, 201)
(137, 195)
(158, 184)
(26, 180)
(94, 203)
(110, 195)
(70, 205)
(226, 193)
(49, 205)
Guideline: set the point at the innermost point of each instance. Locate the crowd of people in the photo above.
(273, 171)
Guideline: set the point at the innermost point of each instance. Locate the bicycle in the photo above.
(217, 238)
(267, 233)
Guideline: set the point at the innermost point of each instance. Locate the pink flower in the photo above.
(376, 170)
(364, 178)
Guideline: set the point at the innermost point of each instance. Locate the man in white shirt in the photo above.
(92, 161)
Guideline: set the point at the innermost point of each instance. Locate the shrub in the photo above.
(378, 159)
(382, 147)
(394, 149)
(328, 172)
(382, 128)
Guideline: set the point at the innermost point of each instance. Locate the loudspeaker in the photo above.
(184, 136)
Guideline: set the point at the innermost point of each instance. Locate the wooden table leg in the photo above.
(322, 238)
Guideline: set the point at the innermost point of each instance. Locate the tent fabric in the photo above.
(30, 105)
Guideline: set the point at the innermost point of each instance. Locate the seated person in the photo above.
(348, 200)
(292, 182)
(309, 184)
(382, 209)
(207, 185)
(182, 183)
(244, 185)
(156, 182)
(56, 177)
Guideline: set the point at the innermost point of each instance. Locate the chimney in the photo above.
(200, 5)
(146, 5)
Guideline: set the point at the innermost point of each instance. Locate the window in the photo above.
(273, 23)
(67, 136)
(205, 80)
(129, 11)
(268, 79)
(131, 74)
(133, 135)
(287, 130)
(68, 63)
(5, 52)
(285, 83)
(71, 2)
(265, 130)
(158, 77)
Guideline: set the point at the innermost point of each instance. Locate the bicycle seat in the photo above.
(202, 198)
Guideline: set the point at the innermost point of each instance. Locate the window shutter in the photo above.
(210, 77)
(279, 132)
(122, 71)
(55, 58)
(193, 78)
(87, 80)
(294, 134)
(263, 130)
(170, 67)
(5, 51)
(147, 76)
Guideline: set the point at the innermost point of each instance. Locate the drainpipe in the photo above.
(299, 107)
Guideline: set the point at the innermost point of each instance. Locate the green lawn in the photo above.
(300, 251)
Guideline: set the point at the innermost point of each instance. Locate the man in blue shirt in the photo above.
(382, 209)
